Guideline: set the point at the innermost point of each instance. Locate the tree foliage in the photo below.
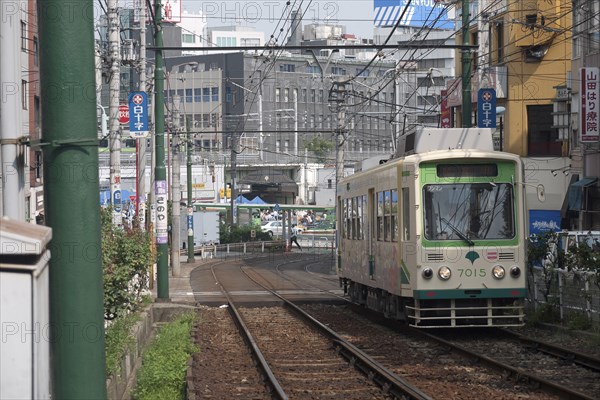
(127, 254)
(320, 147)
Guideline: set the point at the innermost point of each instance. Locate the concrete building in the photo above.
(277, 109)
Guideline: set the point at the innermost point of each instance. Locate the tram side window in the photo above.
(387, 215)
(344, 219)
(359, 214)
(349, 218)
(353, 216)
(405, 215)
(394, 216)
(380, 216)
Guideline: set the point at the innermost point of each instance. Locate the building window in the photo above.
(198, 95)
(189, 95)
(36, 51)
(594, 29)
(286, 95)
(499, 42)
(313, 95)
(228, 94)
(338, 71)
(277, 95)
(361, 72)
(24, 94)
(36, 112)
(215, 93)
(303, 96)
(38, 165)
(542, 140)
(287, 68)
(206, 95)
(187, 38)
(23, 36)
(313, 69)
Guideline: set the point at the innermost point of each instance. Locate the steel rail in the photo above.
(389, 382)
(544, 384)
(563, 353)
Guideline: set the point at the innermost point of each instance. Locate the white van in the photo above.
(575, 238)
(568, 239)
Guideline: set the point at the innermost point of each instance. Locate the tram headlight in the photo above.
(444, 273)
(427, 273)
(498, 271)
(515, 271)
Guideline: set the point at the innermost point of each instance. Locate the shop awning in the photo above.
(576, 191)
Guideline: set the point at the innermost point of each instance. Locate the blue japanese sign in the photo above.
(419, 13)
(117, 200)
(541, 221)
(486, 108)
(138, 114)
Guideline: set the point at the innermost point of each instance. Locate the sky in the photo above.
(264, 15)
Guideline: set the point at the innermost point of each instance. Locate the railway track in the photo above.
(300, 358)
(555, 369)
(438, 368)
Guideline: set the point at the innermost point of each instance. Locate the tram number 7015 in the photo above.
(472, 272)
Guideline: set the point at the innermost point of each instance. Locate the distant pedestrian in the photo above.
(294, 237)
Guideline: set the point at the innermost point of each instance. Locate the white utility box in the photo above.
(24, 310)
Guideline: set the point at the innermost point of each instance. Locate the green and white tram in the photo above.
(437, 237)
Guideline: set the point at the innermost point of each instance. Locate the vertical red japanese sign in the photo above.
(590, 105)
(444, 110)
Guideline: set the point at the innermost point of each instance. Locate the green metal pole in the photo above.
(466, 68)
(190, 204)
(68, 94)
(160, 174)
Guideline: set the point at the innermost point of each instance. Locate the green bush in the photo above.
(118, 341)
(164, 364)
(239, 234)
(126, 258)
(579, 322)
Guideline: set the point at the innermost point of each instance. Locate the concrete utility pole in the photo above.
(466, 68)
(190, 199)
(141, 143)
(176, 189)
(234, 152)
(337, 99)
(114, 45)
(70, 138)
(12, 156)
(160, 175)
(295, 95)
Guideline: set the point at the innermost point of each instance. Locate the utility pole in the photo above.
(12, 173)
(295, 122)
(159, 168)
(114, 45)
(70, 146)
(176, 190)
(234, 152)
(466, 67)
(337, 98)
(141, 143)
(190, 200)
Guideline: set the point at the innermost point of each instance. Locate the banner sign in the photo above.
(162, 226)
(419, 13)
(590, 105)
(486, 108)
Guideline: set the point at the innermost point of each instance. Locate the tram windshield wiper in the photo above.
(459, 233)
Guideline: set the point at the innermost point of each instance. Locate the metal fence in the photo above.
(311, 243)
(569, 293)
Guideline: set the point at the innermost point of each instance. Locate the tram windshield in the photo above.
(469, 211)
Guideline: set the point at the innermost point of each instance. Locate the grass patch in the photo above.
(164, 364)
(118, 341)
